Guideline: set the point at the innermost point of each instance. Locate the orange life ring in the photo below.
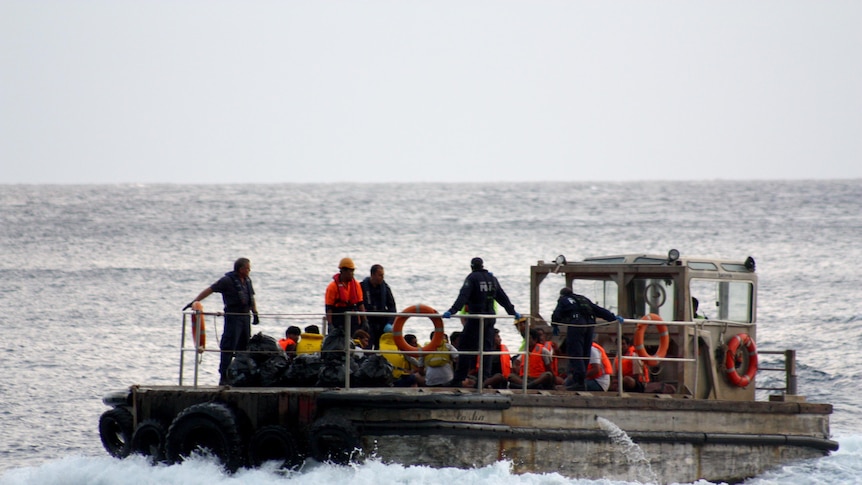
(398, 326)
(663, 343)
(735, 378)
(198, 307)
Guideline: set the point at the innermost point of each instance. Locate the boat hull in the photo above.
(635, 437)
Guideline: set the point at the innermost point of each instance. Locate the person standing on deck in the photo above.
(377, 297)
(344, 294)
(479, 292)
(579, 311)
(238, 295)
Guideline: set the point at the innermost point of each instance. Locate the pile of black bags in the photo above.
(266, 365)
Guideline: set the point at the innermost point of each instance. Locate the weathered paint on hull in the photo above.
(681, 440)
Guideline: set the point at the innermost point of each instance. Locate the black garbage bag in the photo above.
(332, 372)
(272, 371)
(373, 371)
(303, 371)
(333, 345)
(243, 371)
(262, 347)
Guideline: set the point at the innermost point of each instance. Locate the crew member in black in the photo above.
(378, 298)
(576, 309)
(238, 295)
(479, 292)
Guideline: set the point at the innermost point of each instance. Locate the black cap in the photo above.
(476, 263)
(565, 291)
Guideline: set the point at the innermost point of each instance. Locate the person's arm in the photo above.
(207, 292)
(462, 296)
(603, 312)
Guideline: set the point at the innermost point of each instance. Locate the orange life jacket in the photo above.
(283, 343)
(537, 362)
(343, 294)
(628, 366)
(505, 362)
(606, 368)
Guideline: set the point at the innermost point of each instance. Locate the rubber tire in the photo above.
(271, 443)
(149, 440)
(115, 430)
(333, 439)
(205, 426)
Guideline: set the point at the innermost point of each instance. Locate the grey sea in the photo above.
(94, 278)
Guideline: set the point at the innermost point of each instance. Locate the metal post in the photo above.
(347, 355)
(620, 358)
(182, 348)
(525, 358)
(481, 377)
(790, 370)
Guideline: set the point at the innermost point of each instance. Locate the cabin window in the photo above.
(601, 292)
(723, 300)
(652, 295)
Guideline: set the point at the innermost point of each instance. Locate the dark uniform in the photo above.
(478, 293)
(377, 299)
(579, 310)
(238, 299)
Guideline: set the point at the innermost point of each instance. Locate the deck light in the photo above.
(749, 264)
(561, 260)
(672, 255)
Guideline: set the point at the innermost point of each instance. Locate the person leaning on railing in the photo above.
(238, 295)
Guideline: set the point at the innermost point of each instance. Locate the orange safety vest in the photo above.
(343, 294)
(628, 366)
(505, 362)
(607, 368)
(554, 366)
(537, 362)
(283, 343)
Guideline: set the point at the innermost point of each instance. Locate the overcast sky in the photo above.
(407, 91)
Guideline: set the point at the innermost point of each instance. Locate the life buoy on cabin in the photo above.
(733, 375)
(663, 343)
(398, 326)
(198, 307)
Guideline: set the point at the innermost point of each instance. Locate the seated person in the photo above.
(405, 368)
(546, 339)
(635, 372)
(438, 367)
(540, 359)
(501, 367)
(291, 338)
(362, 341)
(599, 369)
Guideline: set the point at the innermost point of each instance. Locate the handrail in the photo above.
(789, 355)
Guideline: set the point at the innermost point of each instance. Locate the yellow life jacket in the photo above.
(309, 343)
(438, 359)
(398, 361)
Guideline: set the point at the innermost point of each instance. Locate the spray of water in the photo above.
(633, 453)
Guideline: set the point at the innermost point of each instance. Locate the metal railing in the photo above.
(789, 367)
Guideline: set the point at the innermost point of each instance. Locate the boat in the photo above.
(714, 411)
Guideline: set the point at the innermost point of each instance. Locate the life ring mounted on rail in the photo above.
(198, 307)
(664, 339)
(398, 327)
(733, 345)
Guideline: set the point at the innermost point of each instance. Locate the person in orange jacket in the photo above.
(599, 370)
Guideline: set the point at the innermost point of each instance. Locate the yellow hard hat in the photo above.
(346, 263)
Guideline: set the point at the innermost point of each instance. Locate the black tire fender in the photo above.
(333, 439)
(149, 440)
(115, 430)
(271, 443)
(205, 427)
